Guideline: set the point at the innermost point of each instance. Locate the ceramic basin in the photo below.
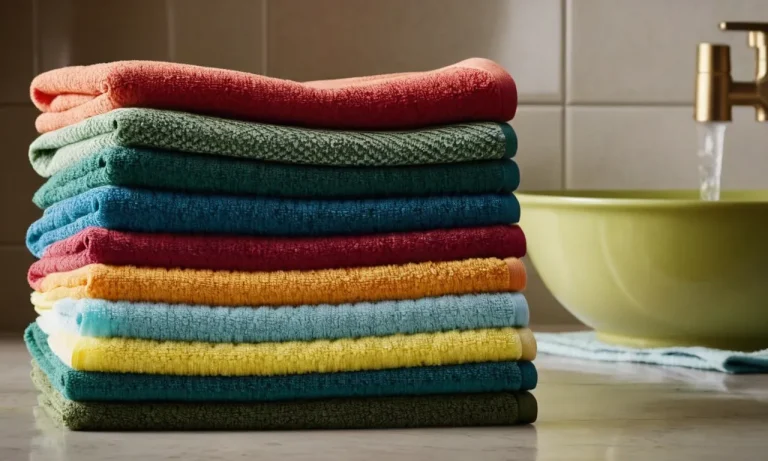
(655, 268)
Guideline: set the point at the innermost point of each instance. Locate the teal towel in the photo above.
(179, 322)
(179, 131)
(452, 379)
(157, 169)
(140, 210)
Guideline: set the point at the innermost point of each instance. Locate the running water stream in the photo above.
(711, 136)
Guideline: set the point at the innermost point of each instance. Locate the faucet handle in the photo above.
(757, 31)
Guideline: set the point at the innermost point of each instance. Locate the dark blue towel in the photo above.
(151, 211)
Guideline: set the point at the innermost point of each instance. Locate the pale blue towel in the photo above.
(97, 317)
(585, 345)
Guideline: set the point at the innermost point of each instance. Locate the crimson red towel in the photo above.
(474, 89)
(98, 245)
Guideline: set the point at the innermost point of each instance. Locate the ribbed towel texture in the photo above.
(180, 322)
(217, 252)
(487, 409)
(157, 169)
(127, 355)
(146, 211)
(183, 132)
(502, 376)
(332, 286)
(474, 89)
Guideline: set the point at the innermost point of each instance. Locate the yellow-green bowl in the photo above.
(657, 268)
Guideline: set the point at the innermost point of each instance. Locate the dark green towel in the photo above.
(452, 379)
(179, 131)
(491, 409)
(157, 169)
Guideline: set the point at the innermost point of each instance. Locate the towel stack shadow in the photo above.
(226, 251)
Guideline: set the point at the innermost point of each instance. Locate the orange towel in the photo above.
(471, 90)
(331, 286)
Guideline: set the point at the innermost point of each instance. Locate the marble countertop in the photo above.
(588, 411)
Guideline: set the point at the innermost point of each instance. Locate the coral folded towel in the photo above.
(157, 169)
(178, 131)
(486, 409)
(446, 379)
(146, 211)
(181, 322)
(331, 286)
(216, 252)
(125, 355)
(474, 89)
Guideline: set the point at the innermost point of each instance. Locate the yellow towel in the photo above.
(124, 355)
(332, 286)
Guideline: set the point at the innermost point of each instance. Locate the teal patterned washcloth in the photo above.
(183, 132)
(585, 345)
(179, 322)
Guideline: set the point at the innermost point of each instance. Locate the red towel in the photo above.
(98, 245)
(471, 90)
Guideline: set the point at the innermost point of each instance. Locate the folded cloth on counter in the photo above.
(125, 355)
(147, 211)
(486, 409)
(446, 379)
(329, 286)
(473, 89)
(183, 132)
(218, 252)
(585, 345)
(182, 322)
(156, 169)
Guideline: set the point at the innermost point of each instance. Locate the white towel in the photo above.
(584, 345)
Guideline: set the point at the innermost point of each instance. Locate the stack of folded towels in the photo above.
(222, 250)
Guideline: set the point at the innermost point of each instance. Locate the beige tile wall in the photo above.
(605, 85)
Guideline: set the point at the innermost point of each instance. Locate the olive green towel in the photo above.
(157, 169)
(491, 409)
(179, 131)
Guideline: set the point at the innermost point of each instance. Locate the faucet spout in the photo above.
(716, 92)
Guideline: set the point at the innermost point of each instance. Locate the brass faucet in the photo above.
(716, 92)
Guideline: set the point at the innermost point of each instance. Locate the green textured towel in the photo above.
(491, 409)
(157, 169)
(179, 131)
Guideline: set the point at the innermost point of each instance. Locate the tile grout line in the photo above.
(170, 19)
(264, 36)
(563, 90)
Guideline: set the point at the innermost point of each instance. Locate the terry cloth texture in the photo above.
(181, 322)
(327, 286)
(156, 169)
(182, 132)
(474, 89)
(146, 211)
(99, 245)
(487, 409)
(124, 355)
(447, 379)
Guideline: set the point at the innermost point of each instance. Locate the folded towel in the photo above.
(474, 89)
(124, 355)
(488, 409)
(146, 211)
(446, 379)
(180, 131)
(328, 286)
(181, 322)
(157, 169)
(585, 345)
(99, 245)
